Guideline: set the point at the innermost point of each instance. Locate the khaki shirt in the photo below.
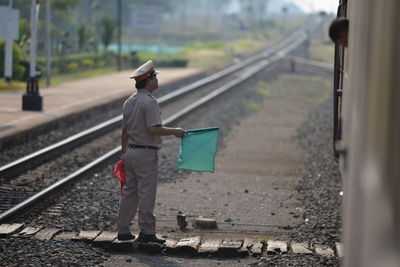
(140, 111)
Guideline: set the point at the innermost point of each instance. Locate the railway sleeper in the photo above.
(192, 246)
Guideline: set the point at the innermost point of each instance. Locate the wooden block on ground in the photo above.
(88, 235)
(230, 248)
(339, 250)
(66, 236)
(209, 247)
(257, 248)
(252, 247)
(188, 245)
(47, 233)
(276, 247)
(300, 248)
(9, 229)
(205, 223)
(170, 246)
(324, 251)
(30, 230)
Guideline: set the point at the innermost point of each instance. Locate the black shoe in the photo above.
(150, 238)
(125, 237)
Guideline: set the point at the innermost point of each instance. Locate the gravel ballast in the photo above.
(321, 189)
(20, 251)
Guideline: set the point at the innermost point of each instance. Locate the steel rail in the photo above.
(74, 139)
(19, 165)
(114, 152)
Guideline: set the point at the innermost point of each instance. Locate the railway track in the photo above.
(190, 98)
(40, 156)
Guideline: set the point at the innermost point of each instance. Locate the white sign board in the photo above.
(145, 17)
(9, 23)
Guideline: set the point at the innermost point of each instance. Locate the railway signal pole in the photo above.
(32, 99)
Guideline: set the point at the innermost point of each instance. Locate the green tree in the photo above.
(24, 34)
(24, 30)
(82, 37)
(107, 27)
(62, 10)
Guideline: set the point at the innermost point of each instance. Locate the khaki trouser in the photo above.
(141, 167)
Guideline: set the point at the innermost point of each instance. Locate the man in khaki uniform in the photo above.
(141, 138)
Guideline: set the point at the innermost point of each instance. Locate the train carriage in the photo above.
(367, 131)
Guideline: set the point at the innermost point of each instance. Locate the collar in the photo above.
(144, 91)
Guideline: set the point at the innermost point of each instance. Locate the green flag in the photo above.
(198, 149)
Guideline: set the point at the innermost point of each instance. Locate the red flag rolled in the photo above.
(119, 172)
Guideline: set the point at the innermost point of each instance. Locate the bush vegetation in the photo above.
(18, 69)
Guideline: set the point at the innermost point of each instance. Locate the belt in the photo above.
(143, 147)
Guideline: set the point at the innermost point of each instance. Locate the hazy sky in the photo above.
(317, 5)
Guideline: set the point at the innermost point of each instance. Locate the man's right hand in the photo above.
(179, 132)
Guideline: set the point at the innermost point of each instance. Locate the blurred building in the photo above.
(253, 10)
(278, 7)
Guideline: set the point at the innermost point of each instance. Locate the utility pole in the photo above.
(183, 16)
(48, 43)
(32, 100)
(8, 47)
(119, 15)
